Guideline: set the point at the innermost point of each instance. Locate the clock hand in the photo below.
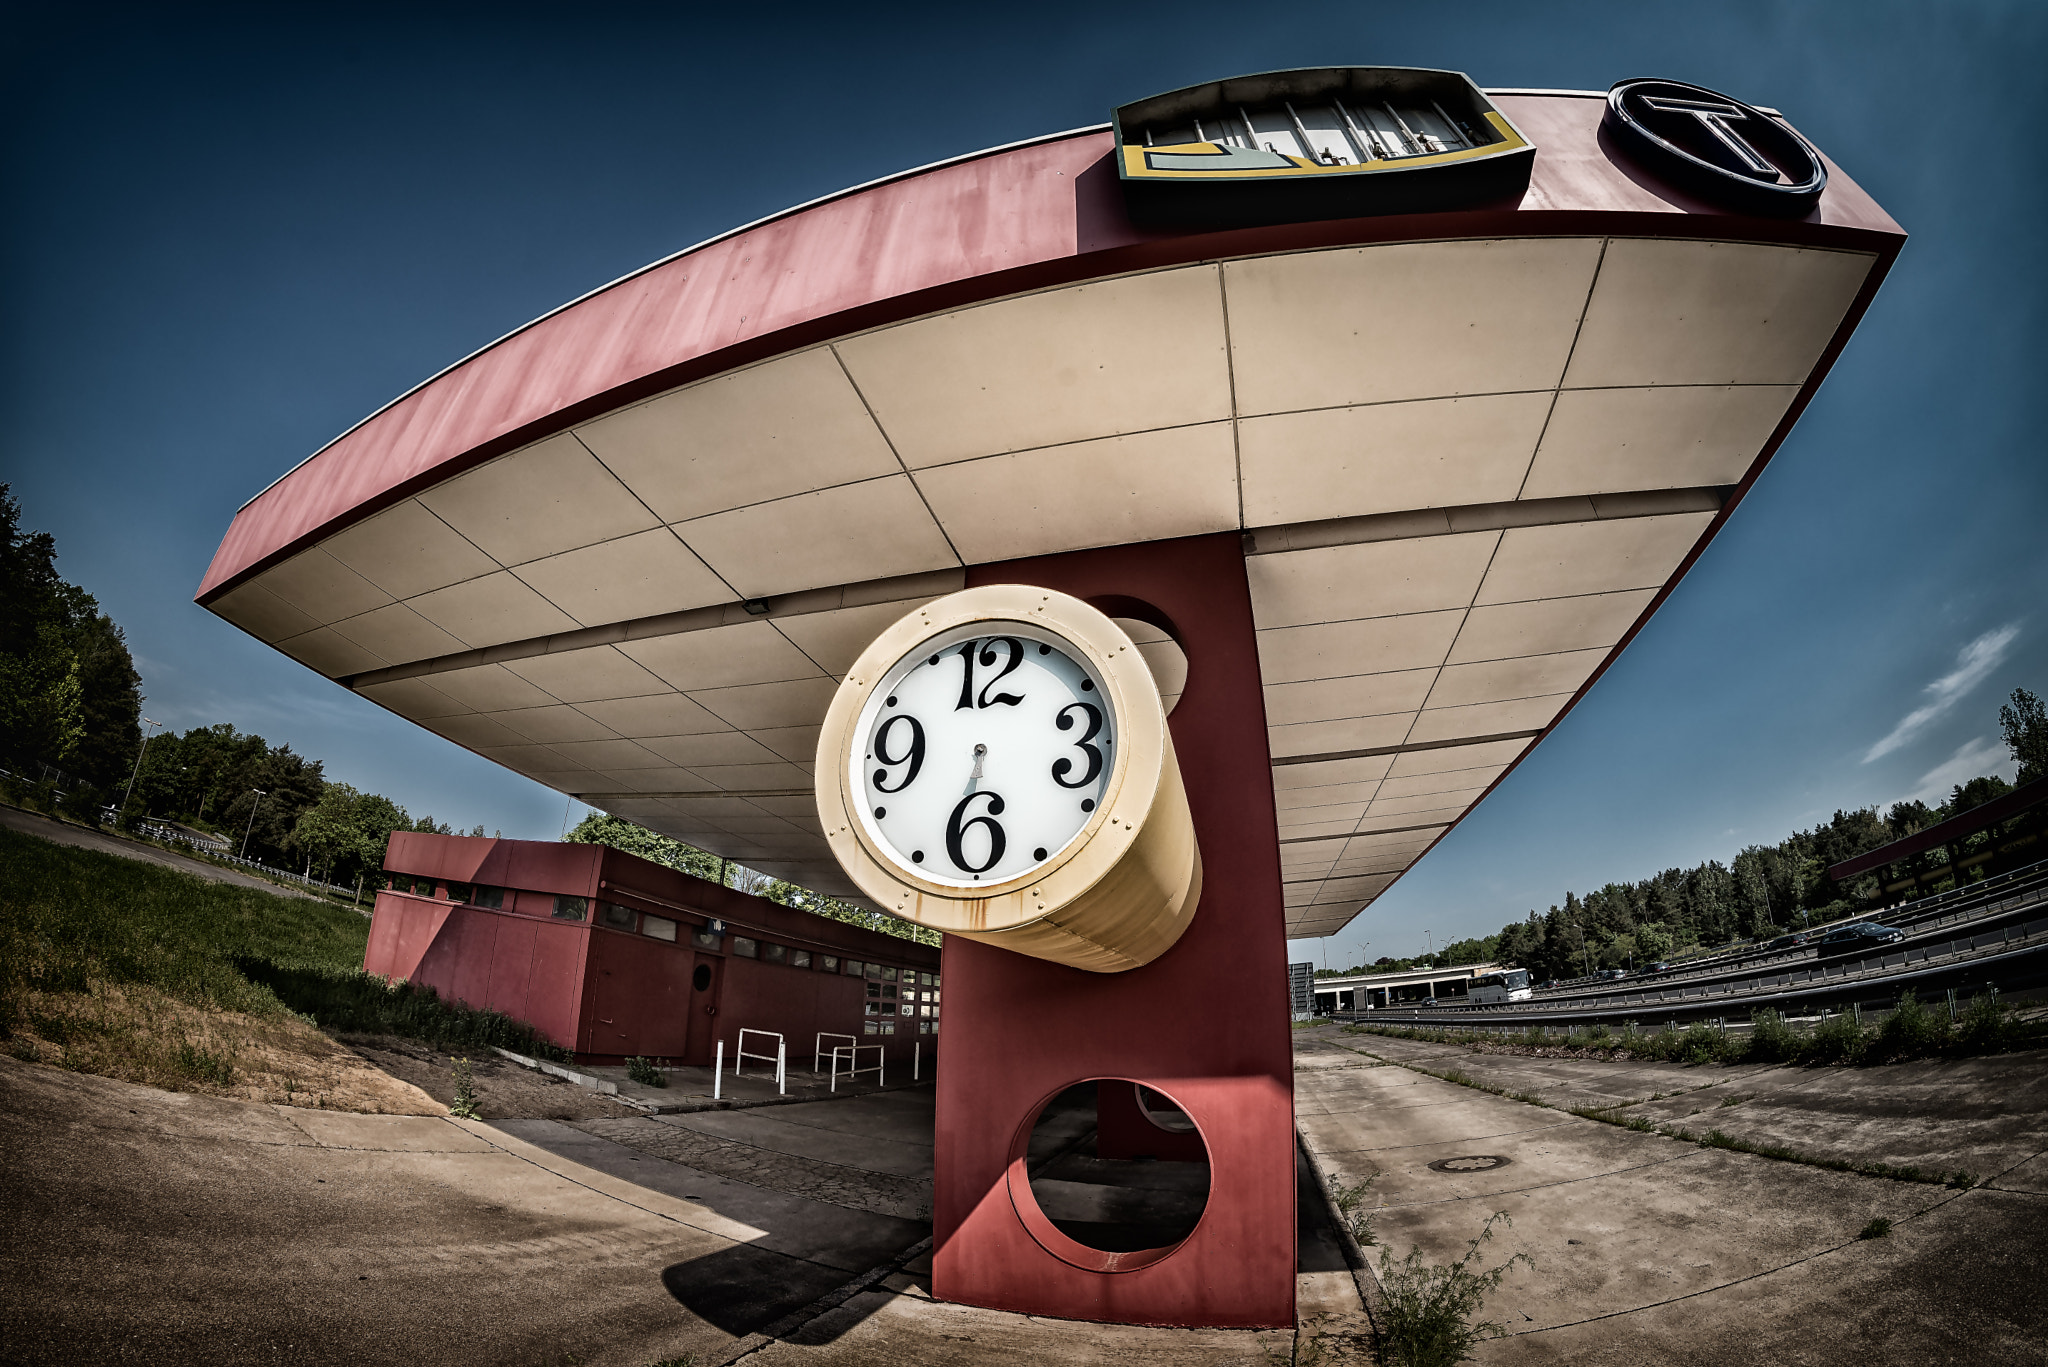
(980, 752)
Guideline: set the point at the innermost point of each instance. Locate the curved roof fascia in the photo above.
(986, 225)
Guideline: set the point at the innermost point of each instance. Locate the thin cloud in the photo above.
(1973, 757)
(1977, 659)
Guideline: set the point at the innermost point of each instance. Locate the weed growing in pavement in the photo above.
(464, 1105)
(1350, 1200)
(645, 1072)
(1430, 1307)
(1878, 1228)
(686, 1360)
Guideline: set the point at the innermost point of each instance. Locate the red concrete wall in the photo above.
(605, 993)
(1206, 1023)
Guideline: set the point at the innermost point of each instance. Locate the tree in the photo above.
(2025, 724)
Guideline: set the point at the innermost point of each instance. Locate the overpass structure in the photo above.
(1375, 411)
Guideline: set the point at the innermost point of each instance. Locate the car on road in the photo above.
(1861, 935)
(1792, 941)
(1613, 973)
(1659, 967)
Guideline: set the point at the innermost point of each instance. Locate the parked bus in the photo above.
(1491, 988)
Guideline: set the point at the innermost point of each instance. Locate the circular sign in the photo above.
(1715, 147)
(997, 765)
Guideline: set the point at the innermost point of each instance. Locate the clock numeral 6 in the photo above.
(1063, 766)
(956, 833)
(915, 754)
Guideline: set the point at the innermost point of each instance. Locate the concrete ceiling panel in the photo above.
(1405, 321)
(322, 587)
(1450, 781)
(1365, 695)
(1488, 719)
(1548, 625)
(1050, 369)
(769, 432)
(834, 640)
(550, 497)
(488, 736)
(1364, 769)
(845, 535)
(722, 657)
(801, 702)
(1109, 492)
(1590, 557)
(1373, 645)
(592, 674)
(655, 715)
(1426, 453)
(711, 749)
(1330, 737)
(1682, 311)
(548, 724)
(643, 575)
(491, 610)
(264, 615)
(1450, 757)
(414, 698)
(1371, 579)
(406, 550)
(796, 743)
(331, 653)
(398, 635)
(612, 756)
(1532, 676)
(1677, 437)
(1354, 794)
(491, 688)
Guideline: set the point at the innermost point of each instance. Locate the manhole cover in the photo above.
(1477, 1162)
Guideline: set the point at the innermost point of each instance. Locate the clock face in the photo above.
(982, 754)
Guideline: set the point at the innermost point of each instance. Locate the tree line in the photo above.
(71, 738)
(1764, 890)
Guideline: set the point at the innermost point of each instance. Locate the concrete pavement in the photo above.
(1651, 1249)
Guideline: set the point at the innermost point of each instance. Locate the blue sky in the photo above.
(233, 231)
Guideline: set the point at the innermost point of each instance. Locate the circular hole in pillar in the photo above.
(1169, 663)
(1115, 1176)
(701, 979)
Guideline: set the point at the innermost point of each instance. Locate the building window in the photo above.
(494, 898)
(888, 975)
(869, 1028)
(703, 937)
(888, 1027)
(616, 916)
(888, 989)
(571, 908)
(874, 989)
(799, 958)
(874, 972)
(873, 1009)
(828, 963)
(774, 954)
(660, 927)
(853, 968)
(745, 948)
(907, 1010)
(460, 892)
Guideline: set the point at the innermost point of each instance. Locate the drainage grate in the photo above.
(1477, 1162)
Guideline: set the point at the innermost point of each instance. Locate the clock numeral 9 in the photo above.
(968, 698)
(915, 754)
(1063, 766)
(956, 833)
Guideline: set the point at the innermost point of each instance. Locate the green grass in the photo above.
(1431, 1308)
(1984, 1025)
(120, 966)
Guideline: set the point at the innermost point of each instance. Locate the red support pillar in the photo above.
(1205, 1024)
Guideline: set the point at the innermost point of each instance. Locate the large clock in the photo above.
(997, 765)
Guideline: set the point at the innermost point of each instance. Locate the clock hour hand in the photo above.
(980, 753)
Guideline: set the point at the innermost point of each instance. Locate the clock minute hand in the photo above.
(980, 753)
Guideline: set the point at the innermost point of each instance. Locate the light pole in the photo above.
(138, 763)
(1585, 954)
(260, 793)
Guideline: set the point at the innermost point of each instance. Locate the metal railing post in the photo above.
(718, 1072)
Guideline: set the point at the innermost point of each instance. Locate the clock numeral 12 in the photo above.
(968, 699)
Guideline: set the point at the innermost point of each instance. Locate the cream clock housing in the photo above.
(997, 765)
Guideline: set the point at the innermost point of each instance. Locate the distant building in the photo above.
(610, 955)
(1378, 991)
(1301, 991)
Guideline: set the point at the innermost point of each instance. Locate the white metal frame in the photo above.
(818, 1053)
(780, 1058)
(851, 1053)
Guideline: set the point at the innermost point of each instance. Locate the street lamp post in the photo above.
(260, 793)
(138, 763)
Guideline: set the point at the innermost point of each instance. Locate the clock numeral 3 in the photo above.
(915, 754)
(1063, 766)
(968, 698)
(956, 833)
